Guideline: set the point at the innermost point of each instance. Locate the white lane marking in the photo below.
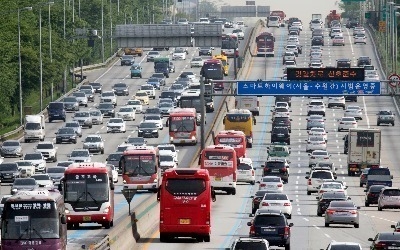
(366, 113)
(316, 227)
(305, 219)
(327, 235)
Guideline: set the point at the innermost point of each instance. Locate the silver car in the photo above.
(56, 173)
(11, 148)
(81, 98)
(89, 94)
(71, 103)
(94, 143)
(75, 126)
(97, 116)
(342, 212)
(83, 118)
(389, 197)
(315, 121)
(80, 155)
(166, 108)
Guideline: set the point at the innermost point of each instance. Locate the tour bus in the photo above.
(190, 98)
(88, 194)
(140, 169)
(230, 45)
(225, 63)
(241, 120)
(265, 44)
(34, 220)
(193, 93)
(233, 138)
(182, 126)
(213, 69)
(185, 197)
(221, 162)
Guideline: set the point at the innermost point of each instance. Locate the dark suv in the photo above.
(272, 226)
(276, 168)
(8, 171)
(363, 60)
(280, 134)
(282, 122)
(372, 194)
(326, 198)
(343, 63)
(317, 40)
(244, 243)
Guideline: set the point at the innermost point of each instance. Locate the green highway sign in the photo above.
(367, 15)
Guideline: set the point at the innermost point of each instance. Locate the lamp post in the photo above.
(19, 62)
(40, 51)
(102, 30)
(396, 14)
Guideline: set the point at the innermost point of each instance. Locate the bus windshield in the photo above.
(30, 220)
(185, 187)
(238, 117)
(182, 124)
(143, 165)
(87, 188)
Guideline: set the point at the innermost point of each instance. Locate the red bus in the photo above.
(265, 44)
(182, 126)
(88, 194)
(221, 162)
(185, 197)
(233, 138)
(213, 69)
(34, 220)
(230, 45)
(140, 169)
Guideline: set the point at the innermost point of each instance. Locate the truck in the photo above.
(279, 13)
(133, 51)
(333, 15)
(34, 128)
(364, 150)
(161, 65)
(379, 176)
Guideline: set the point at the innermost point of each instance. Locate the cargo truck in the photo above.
(161, 65)
(34, 128)
(364, 150)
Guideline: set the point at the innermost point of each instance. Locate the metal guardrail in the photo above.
(17, 132)
(104, 244)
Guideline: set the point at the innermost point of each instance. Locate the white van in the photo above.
(248, 102)
(274, 21)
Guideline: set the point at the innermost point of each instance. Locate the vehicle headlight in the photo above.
(193, 137)
(154, 131)
(140, 131)
(106, 210)
(14, 190)
(155, 180)
(66, 211)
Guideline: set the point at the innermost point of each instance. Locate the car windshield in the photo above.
(170, 148)
(126, 110)
(166, 158)
(197, 59)
(269, 220)
(269, 179)
(8, 167)
(391, 192)
(179, 51)
(65, 131)
(389, 236)
(107, 94)
(33, 156)
(45, 146)
(316, 138)
(105, 106)
(82, 114)
(116, 120)
(72, 125)
(11, 144)
(25, 181)
(148, 125)
(136, 140)
(348, 119)
(79, 94)
(127, 57)
(41, 177)
(141, 93)
(385, 112)
(322, 153)
(331, 186)
(153, 53)
(114, 157)
(348, 204)
(70, 99)
(80, 153)
(321, 175)
(146, 87)
(165, 105)
(95, 113)
(120, 85)
(55, 170)
(152, 118)
(331, 195)
(134, 102)
(93, 139)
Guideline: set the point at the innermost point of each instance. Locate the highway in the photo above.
(231, 213)
(91, 233)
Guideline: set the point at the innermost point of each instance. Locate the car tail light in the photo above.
(252, 230)
(283, 169)
(380, 245)
(371, 195)
(286, 204)
(287, 231)
(309, 182)
(252, 172)
(341, 123)
(328, 211)
(326, 158)
(279, 185)
(266, 204)
(353, 211)
(354, 123)
(263, 185)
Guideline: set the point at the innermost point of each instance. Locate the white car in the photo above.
(94, 143)
(316, 178)
(337, 101)
(315, 143)
(316, 107)
(360, 38)
(290, 64)
(315, 55)
(277, 201)
(292, 48)
(108, 97)
(271, 183)
(246, 171)
(150, 90)
(167, 160)
(318, 156)
(336, 32)
(298, 25)
(151, 55)
(136, 104)
(38, 161)
(179, 54)
(293, 40)
(371, 76)
(315, 48)
(353, 111)
(332, 186)
(97, 116)
(347, 123)
(157, 119)
(48, 150)
(116, 125)
(282, 105)
(43, 180)
(281, 112)
(170, 148)
(239, 33)
(316, 65)
(197, 62)
(318, 132)
(114, 172)
(127, 113)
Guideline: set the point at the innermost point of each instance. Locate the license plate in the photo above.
(390, 247)
(269, 229)
(182, 141)
(247, 105)
(184, 221)
(140, 187)
(218, 178)
(87, 218)
(271, 186)
(341, 213)
(275, 170)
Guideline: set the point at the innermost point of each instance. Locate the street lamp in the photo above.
(40, 51)
(19, 62)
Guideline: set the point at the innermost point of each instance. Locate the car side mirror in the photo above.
(249, 223)
(392, 226)
(291, 224)
(306, 177)
(307, 173)
(365, 190)
(317, 198)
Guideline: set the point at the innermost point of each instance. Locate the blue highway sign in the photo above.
(308, 88)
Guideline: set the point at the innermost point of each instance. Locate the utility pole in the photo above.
(202, 113)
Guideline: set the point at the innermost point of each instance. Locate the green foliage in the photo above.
(66, 50)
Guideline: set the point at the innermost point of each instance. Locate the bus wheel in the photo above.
(112, 223)
(233, 192)
(154, 190)
(163, 238)
(76, 225)
(207, 238)
(70, 226)
(107, 225)
(199, 239)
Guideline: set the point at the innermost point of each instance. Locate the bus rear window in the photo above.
(186, 187)
(238, 117)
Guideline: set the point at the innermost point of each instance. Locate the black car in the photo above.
(350, 98)
(107, 109)
(282, 122)
(276, 168)
(113, 159)
(317, 40)
(127, 60)
(283, 98)
(352, 23)
(346, 144)
(148, 130)
(391, 239)
(372, 194)
(97, 87)
(66, 135)
(8, 171)
(272, 226)
(205, 51)
(363, 60)
(326, 198)
(121, 89)
(343, 63)
(256, 199)
(170, 94)
(280, 134)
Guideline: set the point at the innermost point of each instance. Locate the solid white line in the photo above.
(316, 227)
(327, 235)
(305, 219)
(365, 112)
